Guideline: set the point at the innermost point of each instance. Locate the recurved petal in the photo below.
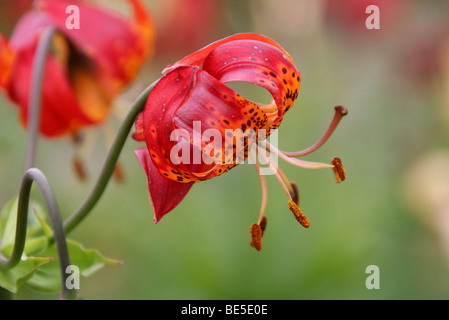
(259, 63)
(197, 58)
(165, 194)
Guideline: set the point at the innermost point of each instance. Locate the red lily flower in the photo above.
(189, 105)
(86, 68)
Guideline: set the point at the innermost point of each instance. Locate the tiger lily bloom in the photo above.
(86, 67)
(197, 128)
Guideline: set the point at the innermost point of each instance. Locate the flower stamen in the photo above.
(256, 236)
(292, 187)
(269, 162)
(263, 224)
(293, 161)
(340, 112)
(300, 217)
(84, 144)
(79, 168)
(295, 195)
(263, 187)
(339, 170)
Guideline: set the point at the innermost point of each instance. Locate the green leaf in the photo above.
(13, 278)
(4, 215)
(8, 220)
(45, 226)
(41, 274)
(47, 278)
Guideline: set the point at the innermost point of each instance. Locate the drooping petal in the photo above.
(165, 194)
(85, 68)
(191, 101)
(197, 58)
(60, 112)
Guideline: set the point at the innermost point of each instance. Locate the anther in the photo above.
(341, 110)
(263, 224)
(79, 168)
(256, 236)
(295, 193)
(118, 173)
(300, 217)
(340, 173)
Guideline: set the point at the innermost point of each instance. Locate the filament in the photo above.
(293, 161)
(263, 187)
(267, 159)
(340, 112)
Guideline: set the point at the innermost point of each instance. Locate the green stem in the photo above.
(108, 167)
(34, 108)
(30, 176)
(35, 98)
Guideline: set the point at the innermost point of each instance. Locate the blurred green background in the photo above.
(392, 211)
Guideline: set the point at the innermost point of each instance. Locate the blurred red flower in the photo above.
(86, 67)
(187, 25)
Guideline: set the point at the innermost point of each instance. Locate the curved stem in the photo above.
(34, 103)
(108, 167)
(35, 175)
(30, 176)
